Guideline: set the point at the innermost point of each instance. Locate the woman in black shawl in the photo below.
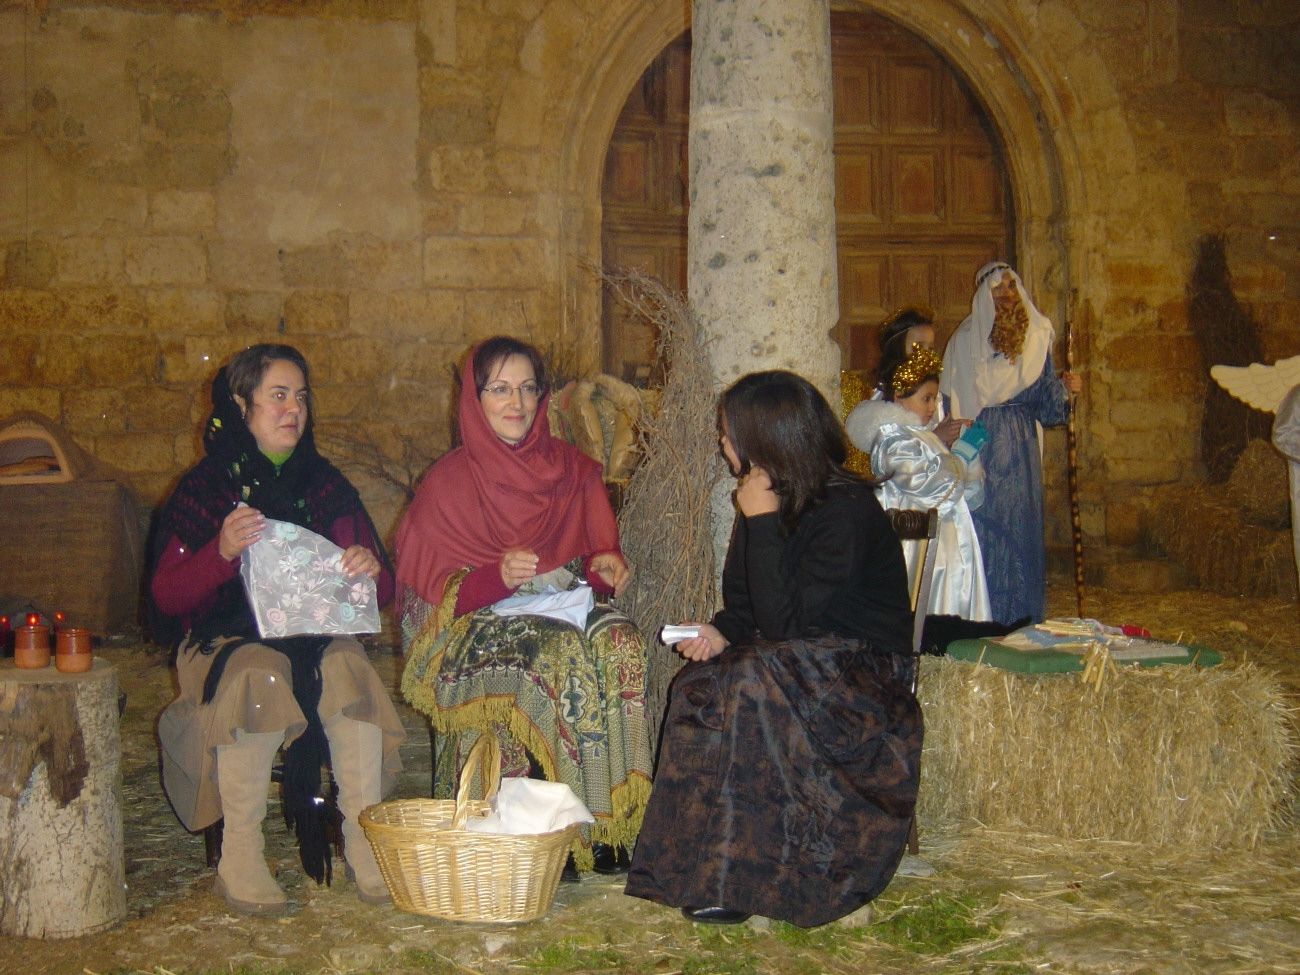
(242, 697)
(791, 749)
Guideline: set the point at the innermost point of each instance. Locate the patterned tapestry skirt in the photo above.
(786, 783)
(572, 700)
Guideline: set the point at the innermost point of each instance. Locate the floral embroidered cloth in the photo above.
(296, 585)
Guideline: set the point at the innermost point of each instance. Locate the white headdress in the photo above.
(974, 375)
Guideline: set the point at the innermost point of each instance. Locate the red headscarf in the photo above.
(487, 497)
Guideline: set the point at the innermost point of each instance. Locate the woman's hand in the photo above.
(706, 646)
(754, 494)
(360, 561)
(518, 566)
(1073, 382)
(612, 570)
(242, 528)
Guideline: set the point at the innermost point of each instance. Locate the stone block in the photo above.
(29, 310)
(521, 115)
(258, 312)
(90, 260)
(316, 266)
(484, 262)
(385, 264)
(166, 260)
(182, 211)
(1129, 416)
(360, 360)
(42, 399)
(18, 361)
(335, 401)
(520, 170)
(315, 312)
(194, 360)
(244, 264)
(29, 263)
(493, 312)
(1143, 469)
(111, 360)
(435, 313)
(153, 408)
(425, 363)
(137, 453)
(92, 411)
(497, 216)
(460, 169)
(1131, 276)
(1143, 352)
(103, 309)
(185, 309)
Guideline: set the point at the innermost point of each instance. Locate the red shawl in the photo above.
(487, 497)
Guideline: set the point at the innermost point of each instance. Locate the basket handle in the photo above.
(484, 758)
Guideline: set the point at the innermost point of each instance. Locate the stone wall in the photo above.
(383, 181)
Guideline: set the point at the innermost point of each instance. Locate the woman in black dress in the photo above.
(791, 750)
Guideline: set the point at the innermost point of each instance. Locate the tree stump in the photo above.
(62, 872)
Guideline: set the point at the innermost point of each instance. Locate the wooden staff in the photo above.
(1072, 468)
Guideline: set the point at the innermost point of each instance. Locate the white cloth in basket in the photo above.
(527, 806)
(296, 585)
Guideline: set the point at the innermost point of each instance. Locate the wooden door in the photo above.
(921, 194)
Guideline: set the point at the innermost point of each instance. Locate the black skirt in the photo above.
(786, 783)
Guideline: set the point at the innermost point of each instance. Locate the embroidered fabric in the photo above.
(296, 586)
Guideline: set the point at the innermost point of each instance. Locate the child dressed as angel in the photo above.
(917, 472)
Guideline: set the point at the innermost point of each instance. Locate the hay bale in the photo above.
(1258, 487)
(1168, 755)
(1203, 529)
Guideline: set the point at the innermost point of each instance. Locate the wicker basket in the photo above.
(434, 866)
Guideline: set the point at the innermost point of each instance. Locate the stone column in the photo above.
(761, 245)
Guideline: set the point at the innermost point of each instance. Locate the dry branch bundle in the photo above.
(666, 522)
(1173, 756)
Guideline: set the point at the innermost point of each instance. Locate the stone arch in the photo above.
(1028, 99)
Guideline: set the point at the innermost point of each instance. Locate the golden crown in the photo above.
(921, 364)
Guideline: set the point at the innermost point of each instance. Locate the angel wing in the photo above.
(1258, 385)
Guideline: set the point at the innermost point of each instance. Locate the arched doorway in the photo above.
(922, 195)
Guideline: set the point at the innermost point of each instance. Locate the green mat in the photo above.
(1062, 662)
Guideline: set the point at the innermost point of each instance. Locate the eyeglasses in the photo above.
(528, 390)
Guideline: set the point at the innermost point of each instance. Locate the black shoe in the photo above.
(609, 860)
(569, 875)
(714, 915)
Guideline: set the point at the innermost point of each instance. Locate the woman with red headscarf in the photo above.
(514, 511)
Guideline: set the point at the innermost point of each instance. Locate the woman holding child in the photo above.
(513, 510)
(789, 766)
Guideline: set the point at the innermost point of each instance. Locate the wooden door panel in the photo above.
(857, 185)
(921, 192)
(916, 178)
(914, 96)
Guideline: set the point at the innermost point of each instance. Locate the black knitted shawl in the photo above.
(308, 491)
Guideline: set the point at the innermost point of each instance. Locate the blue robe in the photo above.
(1009, 524)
